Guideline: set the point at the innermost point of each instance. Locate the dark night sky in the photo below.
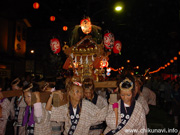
(148, 30)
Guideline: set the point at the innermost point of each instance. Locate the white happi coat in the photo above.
(5, 114)
(57, 128)
(42, 123)
(90, 114)
(22, 106)
(144, 103)
(101, 103)
(149, 96)
(136, 122)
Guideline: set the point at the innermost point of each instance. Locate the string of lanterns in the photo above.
(36, 6)
(108, 70)
(109, 41)
(166, 65)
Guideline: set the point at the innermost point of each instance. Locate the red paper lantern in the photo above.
(86, 26)
(104, 63)
(117, 46)
(108, 40)
(65, 28)
(36, 5)
(52, 18)
(55, 45)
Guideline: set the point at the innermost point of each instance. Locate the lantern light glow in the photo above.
(65, 28)
(52, 18)
(104, 63)
(108, 69)
(86, 26)
(118, 8)
(175, 58)
(36, 5)
(32, 51)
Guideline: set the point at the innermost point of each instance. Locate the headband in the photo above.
(77, 83)
(30, 87)
(126, 80)
(17, 80)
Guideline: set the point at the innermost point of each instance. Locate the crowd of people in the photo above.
(168, 96)
(119, 111)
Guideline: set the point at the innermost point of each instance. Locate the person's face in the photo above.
(126, 96)
(76, 93)
(88, 93)
(27, 97)
(137, 87)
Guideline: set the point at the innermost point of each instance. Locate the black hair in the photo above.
(127, 84)
(19, 83)
(59, 84)
(88, 83)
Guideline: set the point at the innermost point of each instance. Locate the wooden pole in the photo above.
(44, 96)
(12, 93)
(105, 84)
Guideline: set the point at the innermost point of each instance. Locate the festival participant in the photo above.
(176, 103)
(139, 97)
(148, 94)
(99, 101)
(78, 114)
(126, 117)
(4, 113)
(18, 106)
(58, 127)
(36, 119)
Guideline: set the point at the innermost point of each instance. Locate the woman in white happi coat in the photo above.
(36, 119)
(139, 96)
(99, 101)
(58, 127)
(149, 95)
(78, 114)
(18, 106)
(4, 113)
(127, 116)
